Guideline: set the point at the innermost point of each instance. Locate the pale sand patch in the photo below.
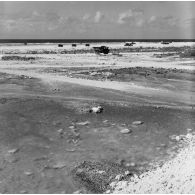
(175, 176)
(162, 94)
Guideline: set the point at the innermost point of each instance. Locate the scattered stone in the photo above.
(83, 123)
(189, 136)
(120, 162)
(137, 122)
(125, 131)
(60, 131)
(78, 192)
(13, 151)
(189, 130)
(71, 127)
(88, 174)
(96, 109)
(113, 184)
(101, 172)
(108, 192)
(23, 192)
(28, 173)
(177, 138)
(59, 165)
(172, 137)
(93, 73)
(132, 164)
(41, 158)
(105, 121)
(70, 150)
(79, 171)
(119, 177)
(75, 141)
(55, 123)
(127, 173)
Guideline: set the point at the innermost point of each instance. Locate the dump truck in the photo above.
(101, 49)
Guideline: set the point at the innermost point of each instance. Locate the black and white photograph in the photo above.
(97, 97)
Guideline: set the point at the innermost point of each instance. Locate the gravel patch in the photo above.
(175, 176)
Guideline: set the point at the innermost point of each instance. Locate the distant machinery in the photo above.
(74, 45)
(101, 49)
(165, 42)
(129, 44)
(60, 45)
(87, 44)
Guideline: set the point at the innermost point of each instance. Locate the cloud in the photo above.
(34, 21)
(132, 17)
(163, 22)
(86, 17)
(190, 22)
(98, 17)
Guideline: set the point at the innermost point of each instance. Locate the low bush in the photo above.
(20, 58)
(188, 53)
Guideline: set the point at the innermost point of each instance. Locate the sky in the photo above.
(97, 20)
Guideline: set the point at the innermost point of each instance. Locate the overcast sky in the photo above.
(93, 20)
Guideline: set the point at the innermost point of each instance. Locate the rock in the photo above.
(107, 74)
(125, 131)
(189, 136)
(132, 164)
(119, 177)
(71, 127)
(177, 138)
(70, 150)
(55, 123)
(83, 123)
(60, 131)
(113, 184)
(93, 73)
(41, 158)
(97, 109)
(189, 130)
(28, 173)
(13, 151)
(23, 192)
(59, 165)
(78, 192)
(137, 122)
(105, 121)
(172, 137)
(127, 173)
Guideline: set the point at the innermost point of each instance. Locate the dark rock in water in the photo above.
(96, 176)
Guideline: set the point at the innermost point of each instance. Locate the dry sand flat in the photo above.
(162, 95)
(46, 129)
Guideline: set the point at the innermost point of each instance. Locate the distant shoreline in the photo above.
(89, 40)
